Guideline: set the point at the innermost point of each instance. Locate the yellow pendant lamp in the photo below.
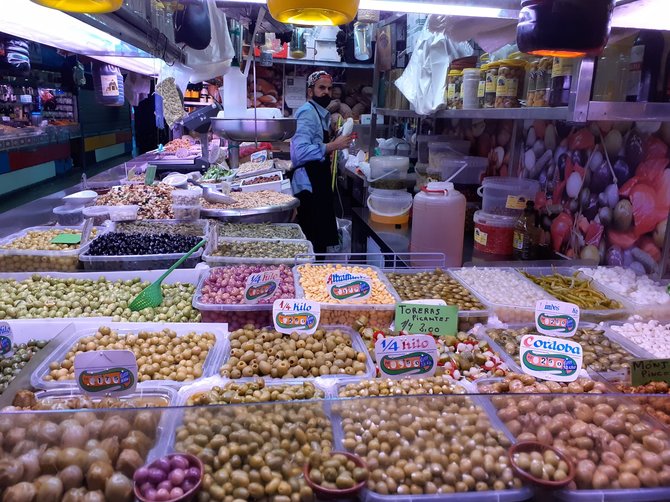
(82, 6)
(313, 12)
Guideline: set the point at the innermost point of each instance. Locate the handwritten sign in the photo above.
(439, 320)
(556, 318)
(292, 315)
(106, 372)
(6, 340)
(644, 371)
(557, 359)
(261, 286)
(406, 355)
(346, 286)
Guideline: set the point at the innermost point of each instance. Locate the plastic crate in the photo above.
(216, 260)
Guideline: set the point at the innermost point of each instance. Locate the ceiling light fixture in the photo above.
(83, 6)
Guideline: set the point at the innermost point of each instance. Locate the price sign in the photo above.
(406, 355)
(292, 315)
(261, 286)
(66, 239)
(6, 340)
(348, 287)
(644, 371)
(439, 320)
(556, 318)
(106, 372)
(150, 175)
(557, 359)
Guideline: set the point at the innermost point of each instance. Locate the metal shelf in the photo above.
(197, 103)
(609, 110)
(332, 64)
(560, 113)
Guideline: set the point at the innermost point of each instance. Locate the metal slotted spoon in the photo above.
(152, 295)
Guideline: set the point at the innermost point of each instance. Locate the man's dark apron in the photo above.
(316, 214)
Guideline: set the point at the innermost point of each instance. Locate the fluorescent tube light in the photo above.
(446, 9)
(28, 20)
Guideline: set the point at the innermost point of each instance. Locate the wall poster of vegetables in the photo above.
(606, 188)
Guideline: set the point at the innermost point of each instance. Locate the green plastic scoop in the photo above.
(152, 295)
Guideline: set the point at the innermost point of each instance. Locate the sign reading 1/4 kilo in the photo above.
(106, 372)
(261, 286)
(348, 287)
(406, 355)
(558, 359)
(556, 318)
(291, 316)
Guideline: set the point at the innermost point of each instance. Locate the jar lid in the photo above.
(493, 65)
(471, 70)
(455, 73)
(494, 220)
(513, 62)
(484, 67)
(439, 186)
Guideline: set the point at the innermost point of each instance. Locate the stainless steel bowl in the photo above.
(254, 130)
(267, 214)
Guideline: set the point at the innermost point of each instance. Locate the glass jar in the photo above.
(481, 90)
(532, 82)
(454, 84)
(561, 81)
(509, 86)
(470, 88)
(298, 45)
(491, 81)
(543, 82)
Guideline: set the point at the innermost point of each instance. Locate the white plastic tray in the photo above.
(300, 235)
(212, 260)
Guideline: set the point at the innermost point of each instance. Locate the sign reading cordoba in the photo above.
(558, 359)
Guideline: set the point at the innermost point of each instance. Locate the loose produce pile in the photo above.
(612, 442)
(252, 200)
(335, 471)
(427, 445)
(574, 290)
(261, 179)
(260, 231)
(27, 400)
(261, 249)
(436, 284)
(254, 451)
(599, 352)
(154, 201)
(505, 288)
(168, 478)
(48, 297)
(269, 353)
(122, 244)
(313, 282)
(226, 285)
(158, 227)
(256, 391)
(652, 336)
(12, 366)
(249, 168)
(639, 289)
(657, 407)
(216, 173)
(87, 457)
(467, 357)
(41, 240)
(160, 355)
(519, 383)
(402, 387)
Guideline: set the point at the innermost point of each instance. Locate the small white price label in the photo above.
(6, 340)
(296, 316)
(548, 358)
(105, 372)
(406, 355)
(346, 286)
(556, 318)
(261, 286)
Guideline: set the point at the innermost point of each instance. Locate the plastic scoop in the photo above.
(536, 446)
(152, 295)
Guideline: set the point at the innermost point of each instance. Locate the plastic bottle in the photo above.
(645, 66)
(234, 93)
(438, 224)
(353, 146)
(525, 234)
(470, 88)
(561, 81)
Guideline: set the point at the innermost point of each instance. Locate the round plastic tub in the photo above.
(507, 196)
(100, 214)
(443, 167)
(494, 233)
(68, 215)
(389, 206)
(388, 172)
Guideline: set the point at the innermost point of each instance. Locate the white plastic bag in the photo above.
(214, 60)
(423, 81)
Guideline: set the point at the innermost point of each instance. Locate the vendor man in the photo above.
(310, 151)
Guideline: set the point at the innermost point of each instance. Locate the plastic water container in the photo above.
(438, 223)
(234, 93)
(424, 140)
(388, 172)
(444, 167)
(389, 206)
(501, 195)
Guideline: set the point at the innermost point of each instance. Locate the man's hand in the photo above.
(339, 143)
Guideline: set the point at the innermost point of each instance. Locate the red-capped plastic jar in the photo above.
(564, 28)
(494, 233)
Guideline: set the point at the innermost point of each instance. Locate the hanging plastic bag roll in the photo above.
(214, 60)
(424, 80)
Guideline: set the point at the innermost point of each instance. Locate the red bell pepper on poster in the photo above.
(624, 240)
(655, 148)
(582, 140)
(663, 191)
(558, 192)
(560, 230)
(645, 213)
(647, 245)
(594, 233)
(651, 170)
(625, 189)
